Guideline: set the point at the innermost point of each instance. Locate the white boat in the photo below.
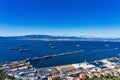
(107, 45)
(77, 45)
(115, 48)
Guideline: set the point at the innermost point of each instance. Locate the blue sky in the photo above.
(89, 18)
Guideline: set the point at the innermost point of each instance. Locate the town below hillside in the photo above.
(57, 38)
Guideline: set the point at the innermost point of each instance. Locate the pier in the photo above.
(54, 55)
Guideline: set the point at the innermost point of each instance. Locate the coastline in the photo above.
(41, 72)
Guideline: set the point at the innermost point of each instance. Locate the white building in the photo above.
(84, 65)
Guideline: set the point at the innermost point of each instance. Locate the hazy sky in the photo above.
(98, 18)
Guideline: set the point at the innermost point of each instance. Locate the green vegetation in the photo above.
(96, 78)
(3, 76)
(105, 78)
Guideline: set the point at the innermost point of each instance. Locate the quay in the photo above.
(54, 55)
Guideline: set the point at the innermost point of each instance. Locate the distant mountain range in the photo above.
(57, 38)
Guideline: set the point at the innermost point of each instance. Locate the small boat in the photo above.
(115, 48)
(25, 50)
(54, 47)
(96, 50)
(12, 48)
(107, 45)
(77, 45)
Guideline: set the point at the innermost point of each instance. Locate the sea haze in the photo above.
(92, 50)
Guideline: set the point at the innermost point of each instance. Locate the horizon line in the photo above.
(60, 36)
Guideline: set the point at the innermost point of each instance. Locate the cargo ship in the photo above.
(12, 48)
(25, 50)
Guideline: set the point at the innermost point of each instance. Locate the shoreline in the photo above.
(26, 68)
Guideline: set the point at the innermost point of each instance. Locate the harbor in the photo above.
(53, 61)
(77, 71)
(59, 39)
